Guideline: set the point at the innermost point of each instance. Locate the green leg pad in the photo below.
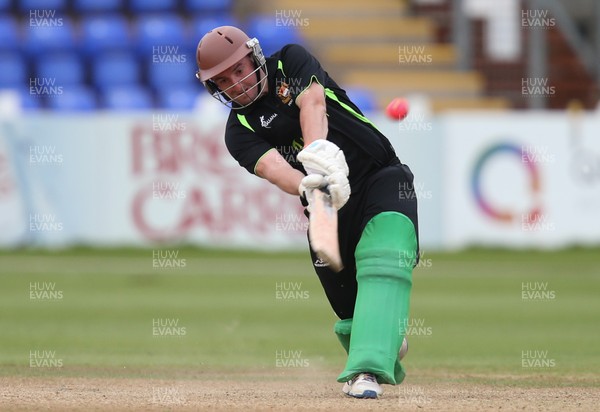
(342, 329)
(385, 256)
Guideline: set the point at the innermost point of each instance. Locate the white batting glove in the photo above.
(325, 158)
(339, 189)
(310, 182)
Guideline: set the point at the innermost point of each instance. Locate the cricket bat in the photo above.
(323, 229)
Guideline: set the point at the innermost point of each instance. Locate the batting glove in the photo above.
(326, 159)
(307, 185)
(310, 182)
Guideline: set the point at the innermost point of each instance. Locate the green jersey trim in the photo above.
(330, 93)
(280, 66)
(312, 79)
(244, 121)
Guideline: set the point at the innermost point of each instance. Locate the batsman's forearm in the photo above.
(313, 122)
(290, 182)
(274, 168)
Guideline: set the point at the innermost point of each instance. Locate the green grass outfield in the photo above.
(468, 313)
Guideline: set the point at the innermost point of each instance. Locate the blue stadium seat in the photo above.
(153, 31)
(105, 32)
(29, 102)
(208, 6)
(271, 37)
(5, 5)
(115, 69)
(363, 98)
(13, 71)
(73, 98)
(48, 39)
(178, 98)
(64, 68)
(9, 33)
(142, 6)
(127, 98)
(162, 75)
(93, 6)
(26, 5)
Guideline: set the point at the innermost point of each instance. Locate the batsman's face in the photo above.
(239, 82)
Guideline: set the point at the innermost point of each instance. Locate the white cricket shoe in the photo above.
(364, 386)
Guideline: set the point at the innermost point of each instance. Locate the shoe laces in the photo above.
(366, 376)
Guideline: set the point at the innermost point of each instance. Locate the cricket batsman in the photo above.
(287, 103)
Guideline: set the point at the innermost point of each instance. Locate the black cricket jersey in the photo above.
(273, 121)
(376, 174)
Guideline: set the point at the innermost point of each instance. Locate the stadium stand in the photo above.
(9, 33)
(42, 38)
(95, 6)
(208, 6)
(100, 33)
(29, 102)
(110, 54)
(50, 5)
(143, 6)
(177, 98)
(5, 5)
(13, 71)
(271, 36)
(115, 69)
(150, 44)
(172, 74)
(73, 98)
(113, 54)
(156, 30)
(372, 47)
(65, 69)
(502, 78)
(124, 98)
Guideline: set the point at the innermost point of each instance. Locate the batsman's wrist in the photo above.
(308, 142)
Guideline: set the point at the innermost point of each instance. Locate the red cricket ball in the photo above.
(397, 109)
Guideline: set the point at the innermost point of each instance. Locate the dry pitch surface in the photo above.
(296, 392)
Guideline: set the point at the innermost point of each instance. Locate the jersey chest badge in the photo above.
(283, 92)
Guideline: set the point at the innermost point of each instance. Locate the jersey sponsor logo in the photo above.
(320, 263)
(284, 93)
(265, 123)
